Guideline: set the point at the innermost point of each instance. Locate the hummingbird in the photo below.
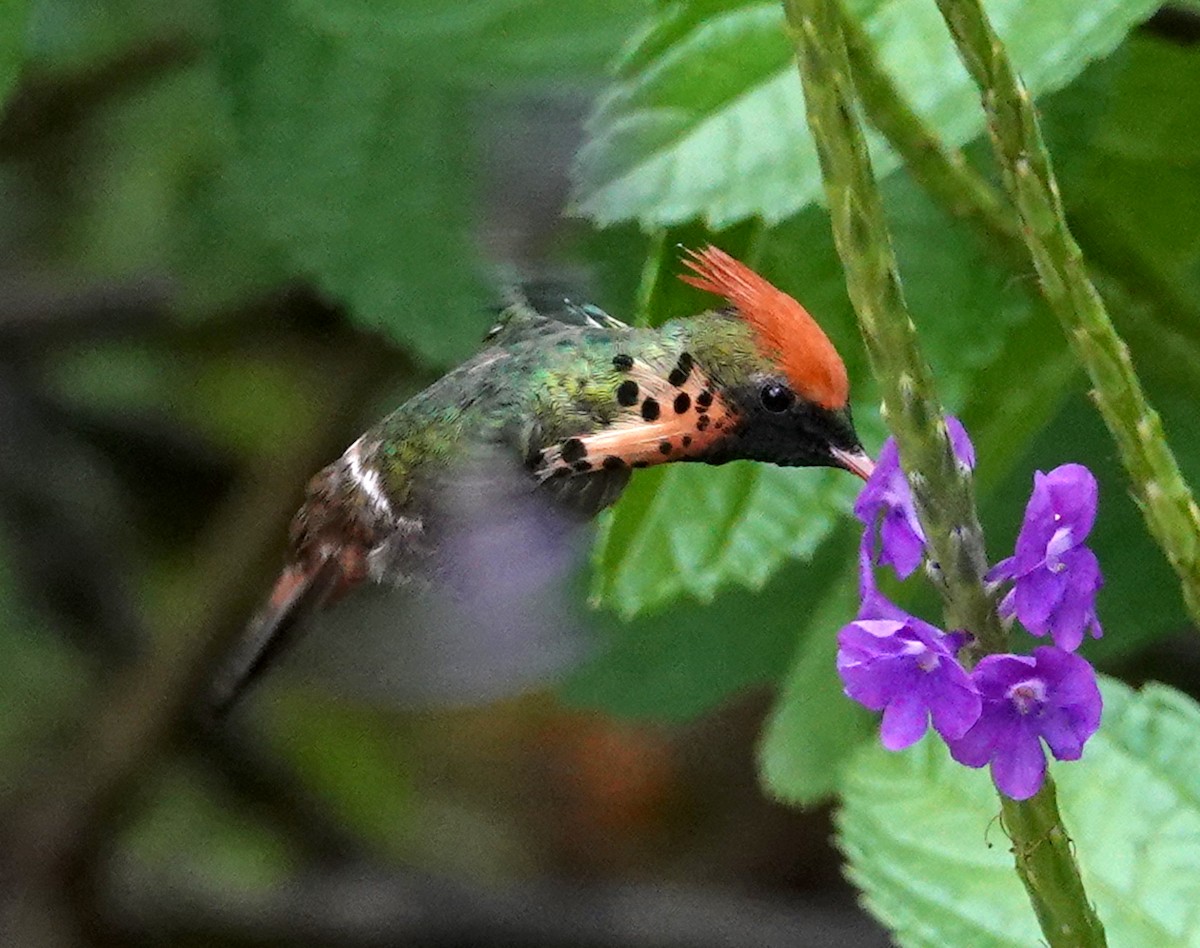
(479, 483)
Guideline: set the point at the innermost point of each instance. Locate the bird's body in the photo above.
(546, 423)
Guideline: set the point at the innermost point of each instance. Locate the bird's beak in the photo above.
(858, 462)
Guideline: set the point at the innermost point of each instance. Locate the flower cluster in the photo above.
(1001, 711)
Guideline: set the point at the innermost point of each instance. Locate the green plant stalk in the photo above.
(1046, 864)
(1158, 484)
(942, 171)
(651, 278)
(942, 489)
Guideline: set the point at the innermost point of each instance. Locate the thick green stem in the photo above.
(940, 170)
(652, 276)
(1159, 487)
(1046, 865)
(941, 487)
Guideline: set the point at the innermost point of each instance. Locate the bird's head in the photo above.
(780, 378)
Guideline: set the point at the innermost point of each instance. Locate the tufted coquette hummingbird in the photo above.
(477, 483)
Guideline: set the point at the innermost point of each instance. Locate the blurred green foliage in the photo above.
(295, 183)
(706, 119)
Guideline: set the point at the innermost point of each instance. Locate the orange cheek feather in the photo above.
(667, 423)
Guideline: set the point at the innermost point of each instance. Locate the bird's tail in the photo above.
(300, 590)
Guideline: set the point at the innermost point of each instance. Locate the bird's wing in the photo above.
(486, 601)
(539, 309)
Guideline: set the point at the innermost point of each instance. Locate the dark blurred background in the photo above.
(172, 371)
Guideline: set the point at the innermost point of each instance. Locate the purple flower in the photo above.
(886, 500)
(1055, 576)
(907, 669)
(874, 604)
(1049, 696)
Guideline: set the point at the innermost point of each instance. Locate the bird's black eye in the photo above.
(776, 397)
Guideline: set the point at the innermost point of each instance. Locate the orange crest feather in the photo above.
(785, 331)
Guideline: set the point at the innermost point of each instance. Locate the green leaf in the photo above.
(675, 663)
(706, 117)
(482, 41)
(701, 533)
(13, 14)
(45, 685)
(1139, 181)
(360, 174)
(814, 727)
(158, 195)
(189, 825)
(75, 36)
(686, 530)
(925, 846)
(1133, 208)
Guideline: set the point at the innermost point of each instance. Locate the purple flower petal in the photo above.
(1003, 570)
(874, 495)
(874, 604)
(885, 504)
(1067, 623)
(1050, 695)
(1074, 496)
(1077, 607)
(1071, 616)
(1055, 578)
(995, 673)
(1062, 733)
(905, 721)
(1019, 764)
(902, 547)
(907, 668)
(1036, 596)
(960, 441)
(1036, 529)
(974, 748)
(1072, 683)
(871, 683)
(1061, 509)
(957, 707)
(1062, 541)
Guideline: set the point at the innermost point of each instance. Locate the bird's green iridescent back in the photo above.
(539, 390)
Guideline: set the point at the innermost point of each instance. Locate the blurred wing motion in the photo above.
(476, 603)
